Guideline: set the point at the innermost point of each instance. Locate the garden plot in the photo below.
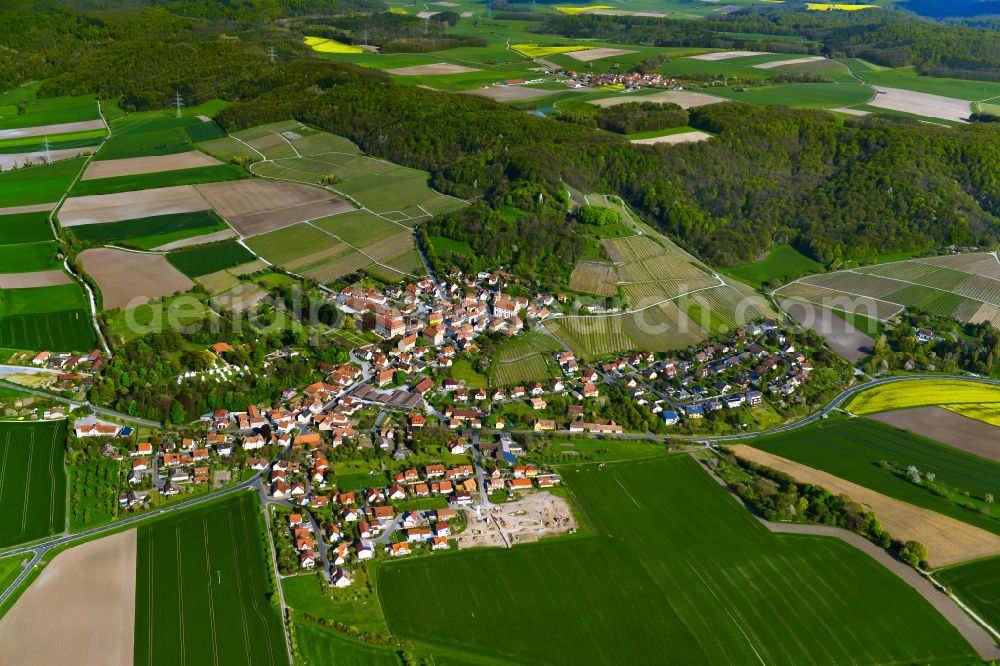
(101, 208)
(681, 98)
(257, 206)
(131, 166)
(921, 104)
(127, 279)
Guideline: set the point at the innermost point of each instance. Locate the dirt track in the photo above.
(257, 206)
(128, 279)
(969, 435)
(948, 541)
(80, 610)
(37, 279)
(131, 166)
(101, 208)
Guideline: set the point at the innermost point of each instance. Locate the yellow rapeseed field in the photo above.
(985, 412)
(923, 393)
(825, 7)
(577, 10)
(536, 51)
(324, 45)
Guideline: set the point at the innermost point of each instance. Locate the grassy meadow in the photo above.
(705, 586)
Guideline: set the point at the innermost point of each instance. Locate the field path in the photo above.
(979, 635)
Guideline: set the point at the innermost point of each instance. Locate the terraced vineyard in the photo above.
(965, 287)
(524, 359)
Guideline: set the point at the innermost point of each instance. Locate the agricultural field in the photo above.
(318, 645)
(922, 393)
(781, 264)
(877, 456)
(127, 279)
(25, 227)
(70, 330)
(977, 584)
(153, 133)
(33, 487)
(204, 584)
(205, 259)
(524, 359)
(93, 488)
(964, 287)
(707, 587)
(29, 257)
(39, 112)
(978, 411)
(144, 181)
(40, 184)
(153, 232)
(593, 277)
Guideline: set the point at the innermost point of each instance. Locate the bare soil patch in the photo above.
(436, 68)
(726, 55)
(840, 335)
(128, 279)
(948, 540)
(538, 514)
(922, 104)
(852, 112)
(783, 63)
(257, 206)
(33, 208)
(131, 166)
(466, 14)
(197, 240)
(101, 208)
(36, 279)
(587, 55)
(681, 98)
(80, 610)
(684, 137)
(59, 128)
(18, 160)
(969, 435)
(510, 93)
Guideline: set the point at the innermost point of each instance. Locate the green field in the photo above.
(977, 584)
(69, 330)
(148, 133)
(319, 646)
(782, 263)
(442, 244)
(706, 585)
(25, 228)
(148, 181)
(206, 259)
(150, 232)
(202, 589)
(45, 183)
(81, 139)
(33, 481)
(856, 450)
(523, 359)
(29, 257)
(47, 111)
(39, 300)
(181, 310)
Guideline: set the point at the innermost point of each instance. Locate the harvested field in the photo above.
(684, 137)
(37, 279)
(783, 63)
(35, 208)
(539, 514)
(840, 335)
(593, 277)
(436, 68)
(86, 598)
(510, 93)
(101, 208)
(947, 427)
(128, 279)
(948, 541)
(726, 55)
(921, 104)
(131, 166)
(59, 128)
(17, 160)
(197, 240)
(587, 55)
(681, 98)
(258, 206)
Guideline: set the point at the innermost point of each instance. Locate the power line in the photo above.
(178, 102)
(272, 53)
(48, 152)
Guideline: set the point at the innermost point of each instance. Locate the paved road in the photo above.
(86, 403)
